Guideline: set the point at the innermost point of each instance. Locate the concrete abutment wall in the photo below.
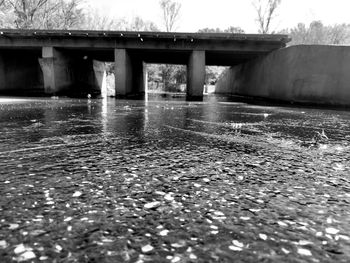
(304, 74)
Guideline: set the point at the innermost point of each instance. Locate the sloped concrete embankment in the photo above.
(305, 74)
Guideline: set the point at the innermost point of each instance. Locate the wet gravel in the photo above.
(172, 181)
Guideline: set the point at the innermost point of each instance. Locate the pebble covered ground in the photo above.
(169, 181)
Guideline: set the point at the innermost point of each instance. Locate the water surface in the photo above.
(173, 181)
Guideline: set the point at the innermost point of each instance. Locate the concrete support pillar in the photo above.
(196, 75)
(138, 73)
(57, 74)
(129, 75)
(123, 73)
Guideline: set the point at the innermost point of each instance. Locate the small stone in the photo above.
(169, 197)
(332, 231)
(319, 234)
(37, 232)
(13, 226)
(77, 194)
(237, 243)
(234, 248)
(152, 205)
(3, 244)
(218, 213)
(280, 223)
(329, 219)
(28, 255)
(58, 248)
(304, 252)
(263, 236)
(164, 232)
(175, 259)
(344, 237)
(147, 248)
(20, 249)
(285, 251)
(304, 243)
(179, 244)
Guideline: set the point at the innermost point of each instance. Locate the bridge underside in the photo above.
(58, 62)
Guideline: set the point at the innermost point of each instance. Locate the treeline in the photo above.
(319, 34)
(41, 14)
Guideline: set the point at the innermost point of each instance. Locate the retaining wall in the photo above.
(306, 74)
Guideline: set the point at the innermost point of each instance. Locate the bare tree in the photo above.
(61, 14)
(171, 12)
(43, 14)
(25, 11)
(266, 10)
(95, 20)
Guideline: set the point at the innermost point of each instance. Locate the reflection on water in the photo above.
(28, 122)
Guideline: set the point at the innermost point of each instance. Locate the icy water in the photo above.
(172, 181)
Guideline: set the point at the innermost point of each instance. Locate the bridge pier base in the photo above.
(196, 75)
(123, 77)
(70, 74)
(56, 71)
(139, 78)
(129, 75)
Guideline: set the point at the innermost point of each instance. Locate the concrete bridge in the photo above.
(68, 62)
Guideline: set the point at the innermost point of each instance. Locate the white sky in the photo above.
(197, 14)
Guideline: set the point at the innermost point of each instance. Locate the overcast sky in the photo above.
(197, 14)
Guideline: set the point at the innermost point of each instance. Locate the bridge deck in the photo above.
(154, 47)
(18, 33)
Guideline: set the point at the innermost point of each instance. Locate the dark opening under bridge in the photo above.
(58, 62)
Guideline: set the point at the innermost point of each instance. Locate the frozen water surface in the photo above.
(172, 181)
